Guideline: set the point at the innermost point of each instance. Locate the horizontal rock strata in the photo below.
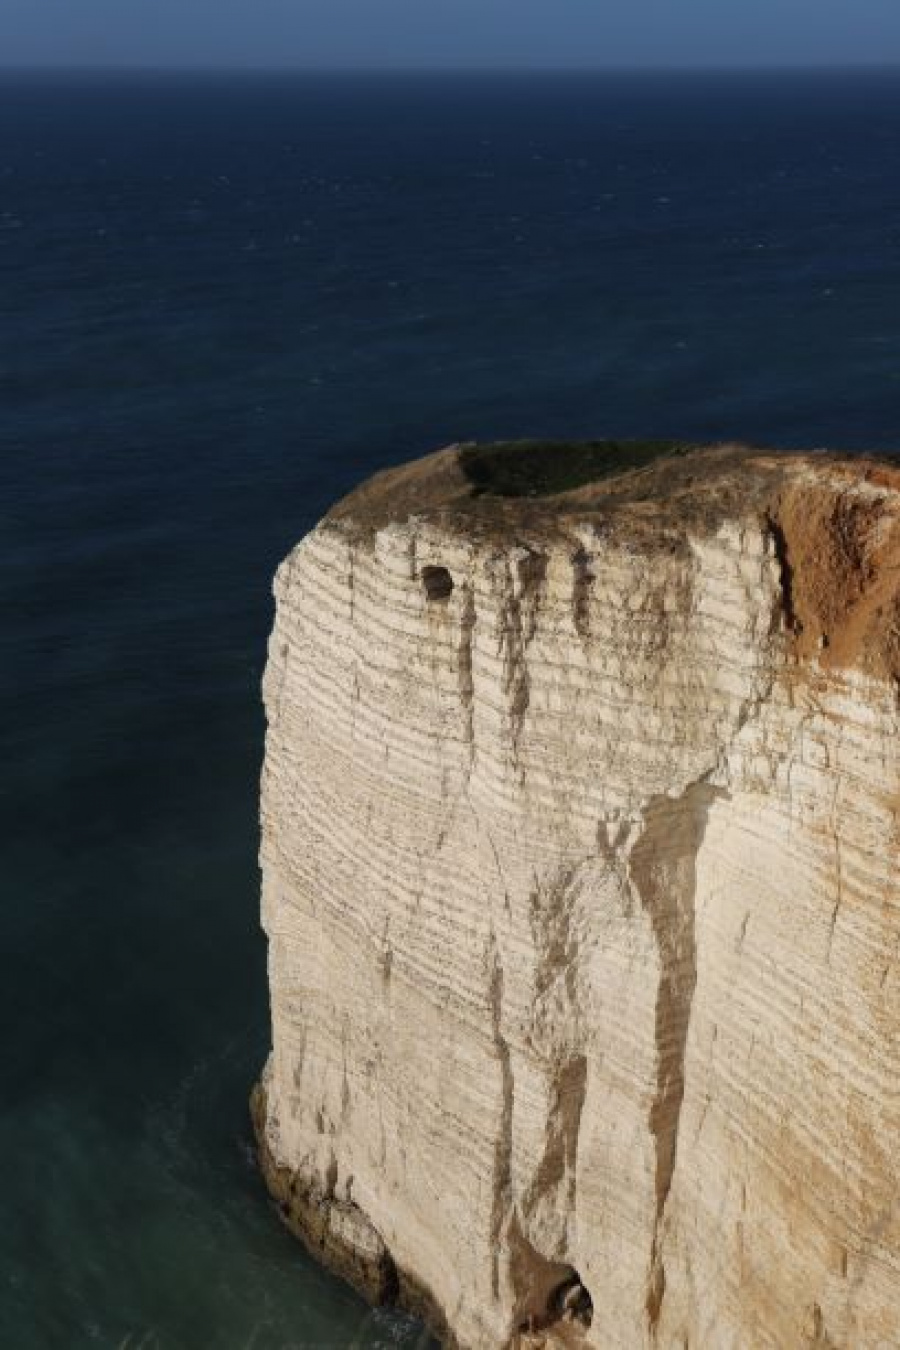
(580, 826)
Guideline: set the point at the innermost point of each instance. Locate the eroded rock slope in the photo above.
(580, 838)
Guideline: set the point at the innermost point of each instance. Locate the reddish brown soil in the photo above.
(840, 537)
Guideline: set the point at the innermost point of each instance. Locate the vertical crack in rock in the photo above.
(582, 581)
(518, 621)
(550, 917)
(351, 583)
(662, 869)
(785, 572)
(555, 1032)
(835, 829)
(558, 1163)
(571, 1090)
(503, 1141)
(464, 665)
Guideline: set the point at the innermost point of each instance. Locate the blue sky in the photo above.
(448, 32)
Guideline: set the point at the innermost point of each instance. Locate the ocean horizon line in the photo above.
(410, 69)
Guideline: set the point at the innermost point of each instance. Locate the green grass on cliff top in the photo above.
(543, 468)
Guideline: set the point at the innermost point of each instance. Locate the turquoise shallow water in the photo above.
(222, 301)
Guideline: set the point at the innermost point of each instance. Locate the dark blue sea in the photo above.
(223, 300)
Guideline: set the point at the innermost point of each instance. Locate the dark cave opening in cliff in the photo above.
(438, 583)
(566, 1301)
(571, 1302)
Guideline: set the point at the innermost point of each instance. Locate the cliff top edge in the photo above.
(833, 518)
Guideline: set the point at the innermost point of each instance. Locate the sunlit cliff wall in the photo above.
(580, 841)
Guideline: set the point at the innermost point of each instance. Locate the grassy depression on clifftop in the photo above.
(546, 468)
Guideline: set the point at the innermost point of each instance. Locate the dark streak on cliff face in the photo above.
(663, 872)
(503, 1144)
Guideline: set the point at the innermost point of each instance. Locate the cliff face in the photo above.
(580, 839)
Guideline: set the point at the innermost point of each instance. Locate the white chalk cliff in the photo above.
(580, 837)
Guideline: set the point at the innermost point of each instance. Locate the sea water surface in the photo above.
(223, 300)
